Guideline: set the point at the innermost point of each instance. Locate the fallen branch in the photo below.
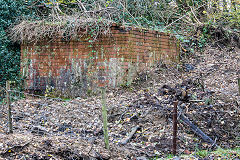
(14, 149)
(125, 140)
(196, 130)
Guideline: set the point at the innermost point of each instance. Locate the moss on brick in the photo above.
(78, 66)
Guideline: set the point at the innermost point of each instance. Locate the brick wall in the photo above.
(75, 67)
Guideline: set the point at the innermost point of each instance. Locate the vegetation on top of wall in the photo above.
(195, 23)
(185, 18)
(68, 28)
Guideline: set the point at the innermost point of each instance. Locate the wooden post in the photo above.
(9, 107)
(174, 140)
(104, 115)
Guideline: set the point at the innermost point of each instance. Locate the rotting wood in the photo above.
(125, 140)
(196, 130)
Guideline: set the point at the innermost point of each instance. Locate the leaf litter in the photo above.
(204, 84)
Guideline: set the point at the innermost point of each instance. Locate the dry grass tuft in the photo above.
(68, 28)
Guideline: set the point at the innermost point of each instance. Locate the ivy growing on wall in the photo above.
(183, 17)
(10, 12)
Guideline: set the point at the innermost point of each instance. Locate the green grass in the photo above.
(227, 153)
(202, 153)
(230, 154)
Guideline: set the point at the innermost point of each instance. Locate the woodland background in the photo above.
(195, 23)
(205, 82)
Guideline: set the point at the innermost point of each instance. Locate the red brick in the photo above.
(129, 43)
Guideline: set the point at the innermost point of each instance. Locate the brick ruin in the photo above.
(75, 67)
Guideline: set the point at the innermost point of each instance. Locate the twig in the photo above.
(99, 156)
(130, 14)
(196, 100)
(182, 17)
(214, 142)
(120, 118)
(237, 107)
(91, 147)
(195, 16)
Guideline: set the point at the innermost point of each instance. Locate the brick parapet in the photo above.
(108, 61)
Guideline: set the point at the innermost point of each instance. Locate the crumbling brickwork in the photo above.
(73, 67)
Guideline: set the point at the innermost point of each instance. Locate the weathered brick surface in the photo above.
(76, 66)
